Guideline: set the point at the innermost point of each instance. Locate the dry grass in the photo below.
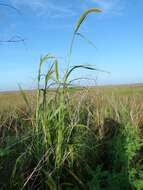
(103, 120)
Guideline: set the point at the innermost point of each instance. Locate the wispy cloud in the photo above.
(64, 8)
(110, 7)
(51, 8)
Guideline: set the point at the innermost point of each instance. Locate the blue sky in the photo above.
(47, 26)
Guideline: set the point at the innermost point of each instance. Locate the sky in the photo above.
(47, 27)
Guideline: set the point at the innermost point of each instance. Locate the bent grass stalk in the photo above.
(51, 130)
(44, 113)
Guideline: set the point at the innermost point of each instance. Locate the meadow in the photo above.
(91, 140)
(67, 138)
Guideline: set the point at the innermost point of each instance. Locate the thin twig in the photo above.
(14, 39)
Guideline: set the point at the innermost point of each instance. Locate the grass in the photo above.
(86, 139)
(71, 138)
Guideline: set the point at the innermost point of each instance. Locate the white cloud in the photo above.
(109, 6)
(52, 8)
(64, 8)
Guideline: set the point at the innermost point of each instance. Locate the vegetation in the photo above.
(82, 139)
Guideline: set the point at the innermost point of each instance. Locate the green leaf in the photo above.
(4, 152)
(57, 70)
(86, 39)
(25, 98)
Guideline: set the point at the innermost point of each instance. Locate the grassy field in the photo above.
(82, 139)
(71, 138)
(15, 99)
